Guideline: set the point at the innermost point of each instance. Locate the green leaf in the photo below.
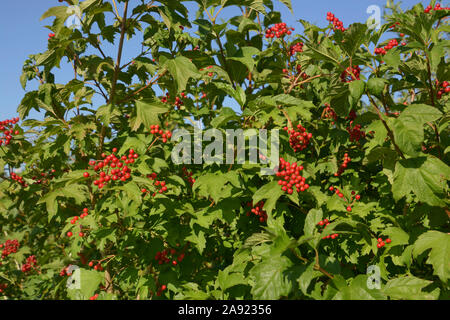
(245, 56)
(198, 239)
(358, 290)
(424, 176)
(356, 89)
(147, 112)
(376, 86)
(182, 69)
(269, 281)
(86, 283)
(439, 256)
(270, 192)
(312, 219)
(409, 288)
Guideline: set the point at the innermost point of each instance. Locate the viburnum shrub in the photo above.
(90, 191)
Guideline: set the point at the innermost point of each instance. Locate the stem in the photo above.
(116, 71)
(429, 80)
(389, 131)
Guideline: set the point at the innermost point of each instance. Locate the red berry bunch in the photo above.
(210, 74)
(343, 166)
(10, 246)
(291, 177)
(31, 263)
(6, 130)
(51, 35)
(437, 7)
(160, 184)
(443, 88)
(355, 132)
(157, 131)
(293, 49)
(336, 190)
(119, 170)
(337, 24)
(19, 179)
(96, 264)
(381, 243)
(178, 101)
(50, 176)
(341, 195)
(258, 211)
(350, 74)
(188, 175)
(84, 214)
(279, 30)
(169, 256)
(323, 224)
(394, 25)
(161, 289)
(329, 113)
(382, 51)
(298, 138)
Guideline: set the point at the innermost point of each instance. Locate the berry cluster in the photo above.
(50, 176)
(75, 219)
(355, 132)
(437, 7)
(293, 49)
(258, 211)
(329, 113)
(298, 138)
(169, 256)
(19, 179)
(210, 74)
(337, 24)
(443, 88)
(291, 177)
(394, 25)
(161, 184)
(350, 74)
(392, 44)
(10, 246)
(343, 166)
(51, 35)
(341, 195)
(188, 175)
(381, 243)
(323, 224)
(84, 214)
(97, 266)
(31, 263)
(157, 131)
(6, 130)
(178, 101)
(279, 30)
(118, 167)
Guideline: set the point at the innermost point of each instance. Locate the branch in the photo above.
(389, 131)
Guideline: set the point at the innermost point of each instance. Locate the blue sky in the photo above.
(22, 33)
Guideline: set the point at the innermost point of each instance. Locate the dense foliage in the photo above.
(363, 176)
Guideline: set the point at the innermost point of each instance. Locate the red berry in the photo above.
(69, 234)
(86, 174)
